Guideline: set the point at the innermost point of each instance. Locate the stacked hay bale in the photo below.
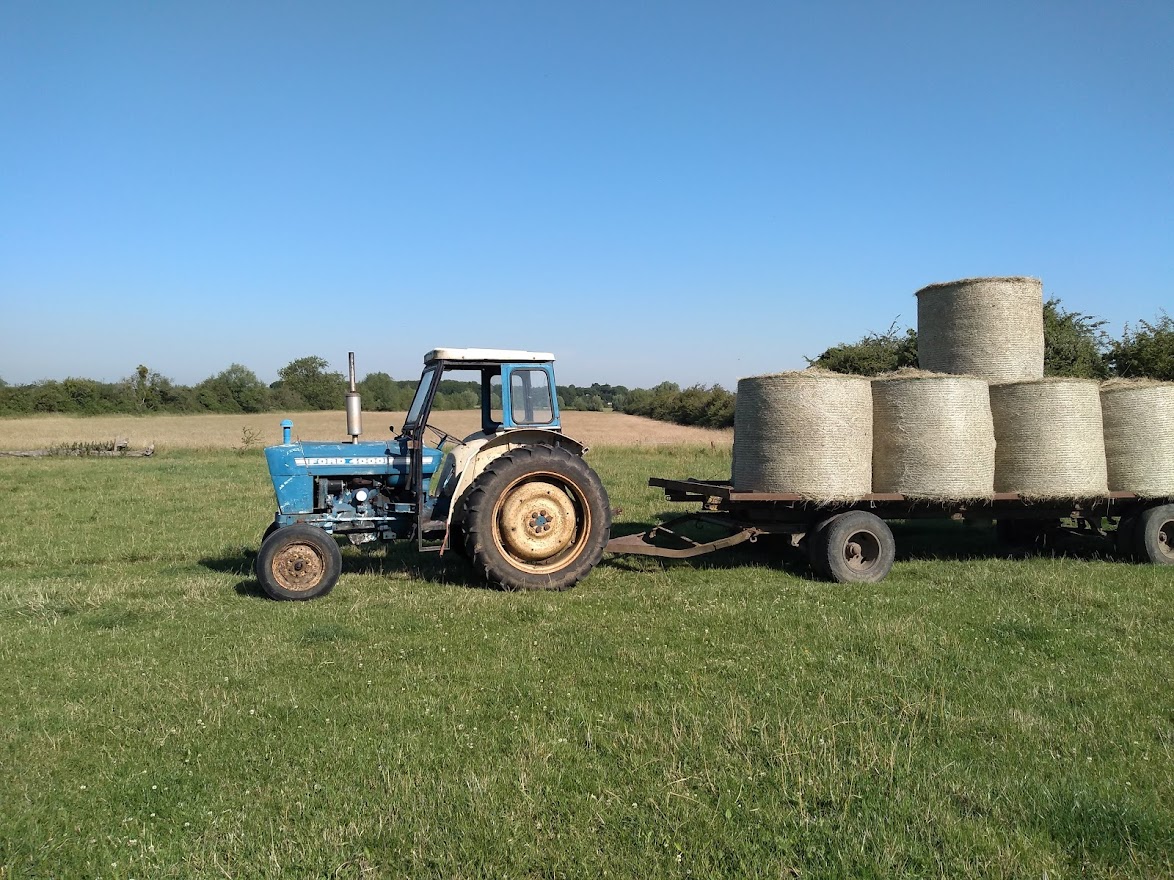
(933, 436)
(992, 328)
(807, 432)
(1139, 436)
(1049, 442)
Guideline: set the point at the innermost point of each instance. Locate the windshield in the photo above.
(422, 390)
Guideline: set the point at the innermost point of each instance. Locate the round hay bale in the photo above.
(932, 436)
(992, 328)
(1139, 436)
(1049, 442)
(807, 432)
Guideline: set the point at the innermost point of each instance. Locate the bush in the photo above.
(1146, 351)
(876, 353)
(1074, 344)
(307, 380)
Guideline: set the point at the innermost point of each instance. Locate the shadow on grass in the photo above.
(935, 540)
(379, 559)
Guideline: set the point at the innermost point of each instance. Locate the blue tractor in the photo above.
(515, 498)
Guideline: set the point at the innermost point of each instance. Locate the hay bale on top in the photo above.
(932, 436)
(1139, 436)
(808, 432)
(1048, 438)
(992, 328)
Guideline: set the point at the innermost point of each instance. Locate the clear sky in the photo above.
(690, 191)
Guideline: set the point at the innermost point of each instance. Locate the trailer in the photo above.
(851, 542)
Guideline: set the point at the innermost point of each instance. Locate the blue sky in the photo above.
(690, 191)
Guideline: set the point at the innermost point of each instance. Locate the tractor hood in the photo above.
(293, 467)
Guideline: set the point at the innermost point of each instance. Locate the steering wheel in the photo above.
(442, 436)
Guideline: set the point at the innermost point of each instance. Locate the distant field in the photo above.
(226, 431)
(972, 716)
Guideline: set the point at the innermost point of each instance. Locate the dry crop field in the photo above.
(228, 431)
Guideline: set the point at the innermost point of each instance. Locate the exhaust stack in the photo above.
(354, 406)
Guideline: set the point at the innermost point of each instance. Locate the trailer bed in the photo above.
(740, 516)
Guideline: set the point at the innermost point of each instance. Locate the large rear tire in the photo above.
(537, 518)
(1155, 535)
(298, 562)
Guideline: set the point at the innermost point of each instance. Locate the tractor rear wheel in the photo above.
(298, 562)
(537, 518)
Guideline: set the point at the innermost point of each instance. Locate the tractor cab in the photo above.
(516, 387)
(518, 405)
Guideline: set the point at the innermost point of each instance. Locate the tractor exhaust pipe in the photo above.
(354, 406)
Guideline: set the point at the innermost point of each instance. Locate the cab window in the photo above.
(530, 397)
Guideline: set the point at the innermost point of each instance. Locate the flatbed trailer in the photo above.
(850, 541)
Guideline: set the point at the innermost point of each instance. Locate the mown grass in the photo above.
(968, 717)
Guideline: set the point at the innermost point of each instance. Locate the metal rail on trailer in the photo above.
(850, 541)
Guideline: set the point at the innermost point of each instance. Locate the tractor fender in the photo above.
(478, 450)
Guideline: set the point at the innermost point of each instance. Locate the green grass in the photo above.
(967, 717)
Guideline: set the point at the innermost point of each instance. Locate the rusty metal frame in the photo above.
(750, 515)
(644, 543)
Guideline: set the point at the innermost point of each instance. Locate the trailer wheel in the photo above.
(817, 547)
(537, 518)
(857, 548)
(1155, 535)
(298, 562)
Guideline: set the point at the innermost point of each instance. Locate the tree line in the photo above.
(1074, 345)
(303, 384)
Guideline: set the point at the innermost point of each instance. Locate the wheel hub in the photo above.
(1166, 540)
(537, 521)
(298, 567)
(862, 550)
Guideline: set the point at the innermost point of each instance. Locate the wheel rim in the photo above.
(862, 551)
(541, 523)
(298, 567)
(1166, 540)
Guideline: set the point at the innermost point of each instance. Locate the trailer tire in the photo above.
(298, 562)
(857, 548)
(817, 547)
(537, 518)
(1154, 538)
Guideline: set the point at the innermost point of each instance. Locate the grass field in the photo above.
(968, 717)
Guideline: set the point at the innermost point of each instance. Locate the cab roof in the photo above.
(480, 355)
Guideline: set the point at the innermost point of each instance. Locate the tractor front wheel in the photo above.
(537, 518)
(298, 562)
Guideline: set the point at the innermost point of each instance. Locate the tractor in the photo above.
(515, 498)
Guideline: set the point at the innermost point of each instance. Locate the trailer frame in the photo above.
(867, 548)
